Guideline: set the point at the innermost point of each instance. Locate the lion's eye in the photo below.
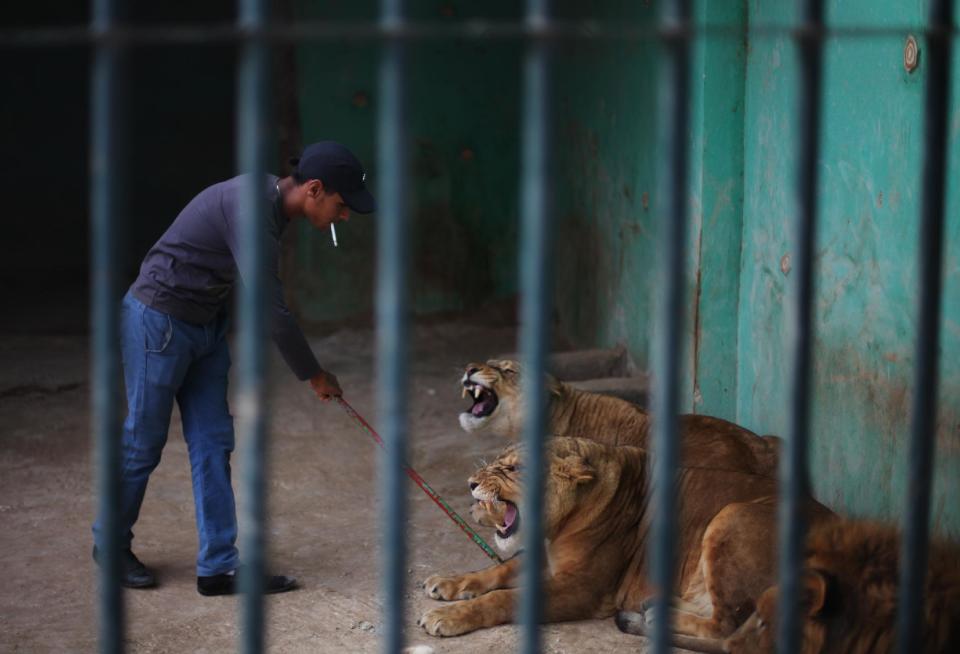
(761, 624)
(510, 468)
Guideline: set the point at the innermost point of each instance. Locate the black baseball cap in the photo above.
(339, 170)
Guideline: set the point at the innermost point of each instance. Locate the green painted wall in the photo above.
(741, 204)
(866, 277)
(605, 125)
(464, 121)
(607, 195)
(464, 163)
(716, 208)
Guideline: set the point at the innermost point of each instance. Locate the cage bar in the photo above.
(252, 148)
(535, 285)
(794, 473)
(472, 29)
(674, 94)
(392, 302)
(915, 539)
(106, 113)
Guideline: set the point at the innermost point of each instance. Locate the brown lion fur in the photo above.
(596, 525)
(706, 441)
(850, 595)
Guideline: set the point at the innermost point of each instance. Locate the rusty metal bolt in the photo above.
(911, 54)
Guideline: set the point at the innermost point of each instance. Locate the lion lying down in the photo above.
(596, 522)
(850, 595)
(497, 409)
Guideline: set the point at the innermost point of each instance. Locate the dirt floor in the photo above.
(324, 522)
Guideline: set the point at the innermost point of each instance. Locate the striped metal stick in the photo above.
(424, 486)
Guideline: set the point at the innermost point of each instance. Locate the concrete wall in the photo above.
(606, 184)
(464, 119)
(742, 203)
(866, 260)
(464, 163)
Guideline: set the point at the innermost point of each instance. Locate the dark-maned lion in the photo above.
(498, 406)
(850, 595)
(596, 523)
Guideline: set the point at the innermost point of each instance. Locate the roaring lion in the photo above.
(498, 405)
(850, 595)
(596, 524)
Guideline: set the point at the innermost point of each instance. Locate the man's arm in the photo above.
(284, 330)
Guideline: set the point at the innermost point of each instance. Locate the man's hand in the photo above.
(325, 385)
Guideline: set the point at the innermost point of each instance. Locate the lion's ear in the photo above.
(815, 585)
(577, 469)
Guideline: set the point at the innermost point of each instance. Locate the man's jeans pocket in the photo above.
(157, 330)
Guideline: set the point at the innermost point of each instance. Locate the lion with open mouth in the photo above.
(596, 524)
(497, 408)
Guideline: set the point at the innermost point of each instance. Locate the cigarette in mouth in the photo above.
(333, 233)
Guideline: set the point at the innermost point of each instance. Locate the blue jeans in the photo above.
(166, 359)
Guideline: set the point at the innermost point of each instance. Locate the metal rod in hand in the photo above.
(424, 486)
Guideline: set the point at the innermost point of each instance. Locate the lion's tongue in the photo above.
(483, 406)
(509, 516)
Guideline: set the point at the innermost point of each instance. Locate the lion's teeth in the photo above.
(464, 391)
(477, 391)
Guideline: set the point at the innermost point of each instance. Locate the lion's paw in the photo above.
(442, 621)
(447, 588)
(632, 622)
(650, 616)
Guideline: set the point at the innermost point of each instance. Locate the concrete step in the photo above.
(631, 389)
(584, 364)
(603, 371)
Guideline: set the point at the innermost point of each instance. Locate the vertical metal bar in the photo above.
(674, 109)
(252, 148)
(105, 192)
(913, 555)
(392, 302)
(535, 248)
(794, 475)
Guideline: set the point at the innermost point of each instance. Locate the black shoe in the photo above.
(133, 574)
(226, 584)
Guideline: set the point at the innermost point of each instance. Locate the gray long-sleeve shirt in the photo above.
(190, 271)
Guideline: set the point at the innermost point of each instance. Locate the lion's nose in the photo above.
(473, 486)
